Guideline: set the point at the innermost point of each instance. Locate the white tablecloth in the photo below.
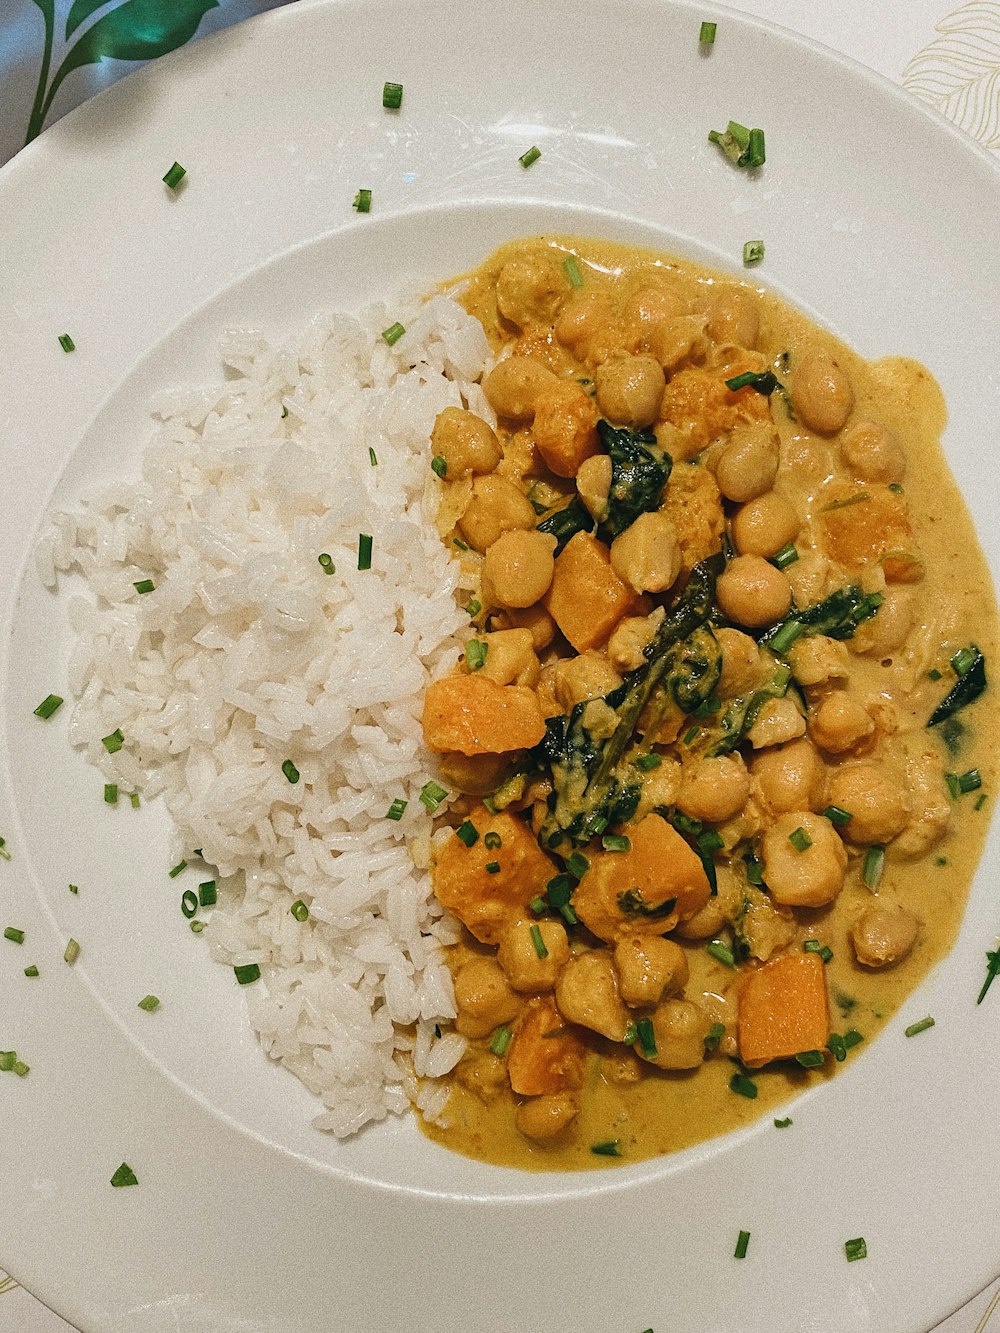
(945, 53)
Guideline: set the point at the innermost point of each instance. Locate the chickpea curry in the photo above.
(720, 728)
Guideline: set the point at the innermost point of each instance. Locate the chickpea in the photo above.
(748, 464)
(888, 628)
(511, 657)
(587, 994)
(840, 723)
(930, 808)
(790, 776)
(542, 1118)
(777, 722)
(808, 878)
(483, 997)
(630, 390)
(714, 789)
(518, 568)
(646, 555)
(648, 309)
(474, 774)
(720, 908)
(742, 669)
(565, 427)
(883, 934)
(875, 800)
(530, 288)
(587, 676)
(580, 319)
(873, 453)
(629, 638)
(496, 506)
(593, 484)
(822, 395)
(484, 1075)
(537, 621)
(817, 659)
(679, 1032)
(649, 969)
(514, 386)
(810, 578)
(764, 525)
(465, 442)
(752, 592)
(733, 317)
(519, 958)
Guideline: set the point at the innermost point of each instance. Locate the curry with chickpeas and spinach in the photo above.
(720, 725)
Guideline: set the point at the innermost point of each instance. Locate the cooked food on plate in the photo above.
(573, 686)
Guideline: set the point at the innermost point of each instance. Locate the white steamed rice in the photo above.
(247, 654)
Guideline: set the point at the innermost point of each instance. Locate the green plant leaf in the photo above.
(48, 8)
(136, 30)
(79, 12)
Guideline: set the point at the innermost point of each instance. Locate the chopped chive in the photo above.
(208, 893)
(647, 762)
(181, 865)
(284, 412)
(174, 176)
(871, 871)
(114, 742)
(691, 735)
(326, 562)
(74, 888)
(706, 34)
(124, 1176)
(783, 1124)
(577, 865)
(814, 946)
(536, 939)
(800, 839)
(299, 910)
(12, 933)
(755, 155)
(616, 842)
(7, 1061)
(72, 952)
(568, 915)
(896, 489)
(755, 869)
(196, 927)
(951, 781)
(475, 654)
(111, 793)
(922, 1026)
(189, 902)
(742, 1085)
(362, 201)
(722, 952)
(538, 906)
(431, 795)
(810, 1059)
(611, 1148)
(981, 800)
(393, 333)
(459, 544)
(963, 661)
(48, 706)
(144, 585)
(31, 971)
(837, 815)
(934, 674)
(992, 968)
(396, 810)
(559, 890)
(439, 466)
(372, 457)
(133, 800)
(789, 632)
(837, 1047)
(762, 381)
(572, 269)
(20, 1068)
(492, 841)
(500, 1041)
(3, 849)
(149, 1003)
(785, 557)
(492, 867)
(290, 771)
(249, 972)
(855, 1249)
(753, 252)
(532, 155)
(467, 833)
(741, 1245)
(714, 1035)
(474, 607)
(364, 550)
(392, 96)
(646, 1037)
(631, 1035)
(67, 343)
(852, 1038)
(970, 781)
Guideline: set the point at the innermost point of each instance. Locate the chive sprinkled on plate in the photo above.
(67, 343)
(248, 973)
(7, 1061)
(532, 155)
(492, 867)
(577, 865)
(174, 176)
(31, 971)
(646, 1037)
(392, 96)
(783, 1124)
(753, 252)
(616, 842)
(49, 705)
(647, 762)
(855, 1249)
(4, 852)
(785, 557)
(915, 1028)
(14, 934)
(124, 1176)
(992, 968)
(721, 951)
(393, 333)
(72, 952)
(714, 1035)
(149, 1003)
(706, 33)
(362, 201)
(810, 1059)
(742, 1241)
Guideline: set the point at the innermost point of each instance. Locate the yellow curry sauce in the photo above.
(842, 830)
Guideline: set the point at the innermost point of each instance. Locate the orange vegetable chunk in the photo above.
(783, 1009)
(546, 1055)
(488, 902)
(620, 893)
(474, 715)
(586, 598)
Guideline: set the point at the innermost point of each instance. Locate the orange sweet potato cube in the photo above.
(488, 901)
(546, 1054)
(474, 715)
(587, 598)
(783, 1009)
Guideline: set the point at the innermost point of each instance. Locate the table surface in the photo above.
(947, 54)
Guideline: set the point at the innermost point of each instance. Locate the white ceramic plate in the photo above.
(875, 216)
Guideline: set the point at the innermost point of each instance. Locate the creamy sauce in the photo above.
(649, 1111)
